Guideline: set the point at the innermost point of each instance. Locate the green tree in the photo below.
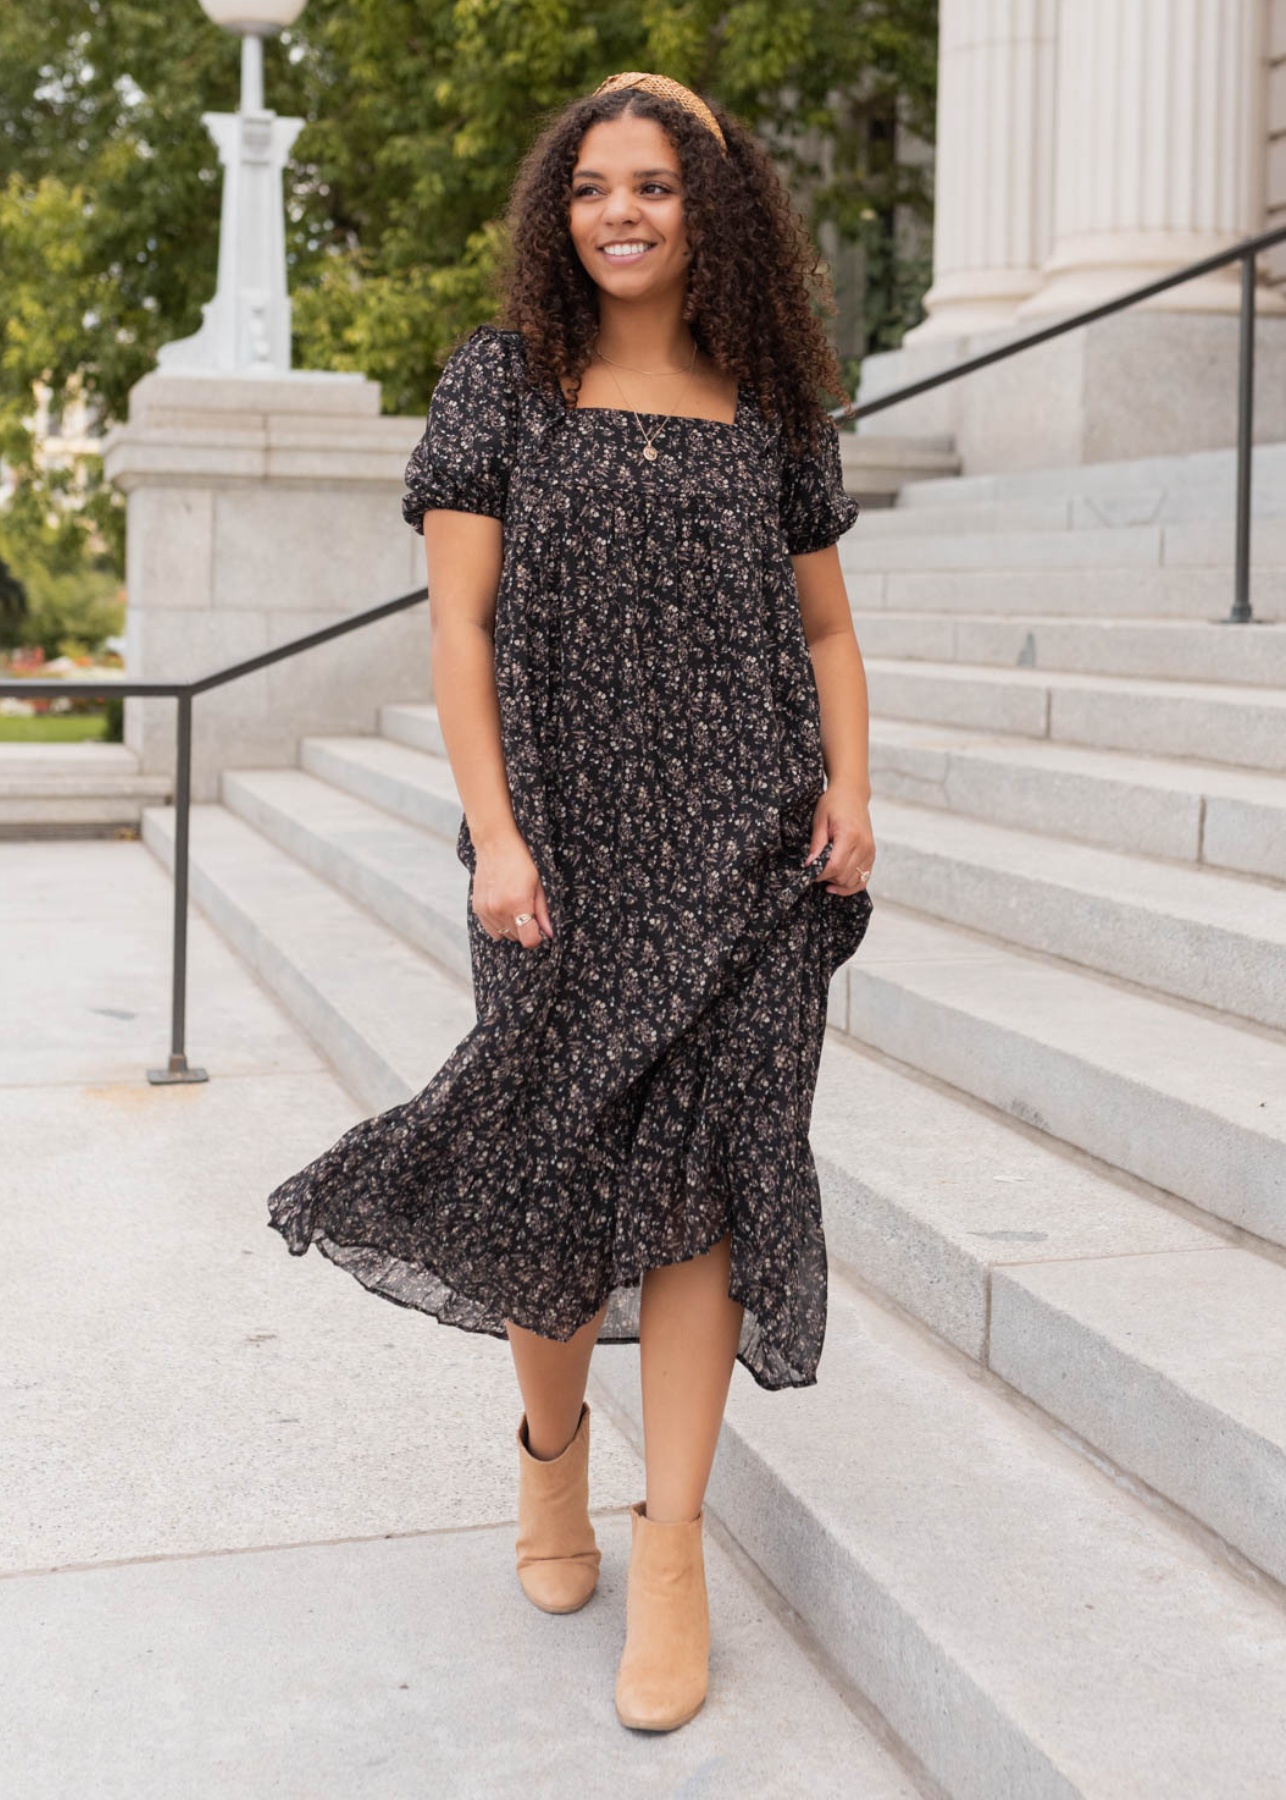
(418, 112)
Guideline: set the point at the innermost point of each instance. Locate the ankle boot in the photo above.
(558, 1554)
(663, 1672)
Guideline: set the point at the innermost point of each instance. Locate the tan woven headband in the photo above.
(666, 89)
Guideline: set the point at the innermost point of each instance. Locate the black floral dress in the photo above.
(641, 1083)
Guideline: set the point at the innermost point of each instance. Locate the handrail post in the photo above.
(177, 1069)
(1241, 613)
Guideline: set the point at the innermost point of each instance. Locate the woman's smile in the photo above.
(631, 252)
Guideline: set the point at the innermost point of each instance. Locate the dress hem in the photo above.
(332, 1250)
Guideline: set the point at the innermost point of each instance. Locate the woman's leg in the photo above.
(688, 1335)
(552, 1378)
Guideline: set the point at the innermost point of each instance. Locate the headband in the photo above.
(666, 89)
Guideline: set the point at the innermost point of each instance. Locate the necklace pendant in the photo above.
(649, 450)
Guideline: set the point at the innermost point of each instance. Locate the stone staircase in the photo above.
(73, 789)
(1035, 1505)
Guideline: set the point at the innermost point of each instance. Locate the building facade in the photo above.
(1086, 148)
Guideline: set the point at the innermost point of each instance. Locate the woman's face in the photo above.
(627, 190)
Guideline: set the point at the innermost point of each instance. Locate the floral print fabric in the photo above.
(640, 1084)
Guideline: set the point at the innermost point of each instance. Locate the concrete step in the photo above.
(1027, 1626)
(1217, 939)
(1183, 591)
(75, 788)
(1036, 1264)
(1190, 544)
(1131, 1094)
(1189, 811)
(384, 1015)
(1071, 511)
(1224, 817)
(409, 878)
(1199, 484)
(1148, 649)
(930, 1195)
(1192, 934)
(1215, 722)
(1005, 1513)
(420, 789)
(417, 726)
(1191, 1103)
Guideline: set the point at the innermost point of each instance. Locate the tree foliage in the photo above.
(418, 111)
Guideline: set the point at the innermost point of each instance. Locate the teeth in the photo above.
(625, 249)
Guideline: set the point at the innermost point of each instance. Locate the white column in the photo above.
(1161, 126)
(995, 162)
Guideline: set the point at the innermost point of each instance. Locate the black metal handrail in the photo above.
(1246, 253)
(177, 1069)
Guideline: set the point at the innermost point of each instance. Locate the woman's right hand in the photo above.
(506, 881)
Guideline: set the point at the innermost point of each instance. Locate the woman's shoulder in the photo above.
(492, 358)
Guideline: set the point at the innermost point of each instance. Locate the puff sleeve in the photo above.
(462, 461)
(814, 509)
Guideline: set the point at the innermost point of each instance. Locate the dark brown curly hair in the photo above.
(752, 278)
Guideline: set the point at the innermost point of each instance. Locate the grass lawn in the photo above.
(52, 728)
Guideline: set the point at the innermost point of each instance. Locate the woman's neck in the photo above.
(649, 337)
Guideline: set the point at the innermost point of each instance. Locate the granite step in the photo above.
(1242, 726)
(1188, 811)
(1190, 650)
(1197, 484)
(1217, 939)
(1189, 933)
(1188, 590)
(1192, 1102)
(1027, 1625)
(1186, 544)
(73, 789)
(926, 1193)
(384, 1015)
(1039, 1572)
(410, 879)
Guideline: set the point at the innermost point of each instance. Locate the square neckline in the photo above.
(732, 424)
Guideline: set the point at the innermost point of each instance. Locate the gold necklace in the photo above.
(649, 439)
(630, 366)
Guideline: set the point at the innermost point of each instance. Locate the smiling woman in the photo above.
(654, 706)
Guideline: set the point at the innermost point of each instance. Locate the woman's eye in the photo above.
(579, 193)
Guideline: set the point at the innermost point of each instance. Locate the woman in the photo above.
(645, 669)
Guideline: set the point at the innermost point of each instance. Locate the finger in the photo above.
(542, 911)
(820, 835)
(854, 878)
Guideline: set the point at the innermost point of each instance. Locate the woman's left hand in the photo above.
(842, 816)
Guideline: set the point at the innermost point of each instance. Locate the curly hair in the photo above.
(752, 278)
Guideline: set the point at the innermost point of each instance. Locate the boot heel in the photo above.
(558, 1553)
(664, 1670)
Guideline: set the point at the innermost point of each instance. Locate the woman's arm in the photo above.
(843, 811)
(464, 553)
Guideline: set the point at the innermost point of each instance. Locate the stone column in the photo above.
(995, 163)
(261, 507)
(1160, 158)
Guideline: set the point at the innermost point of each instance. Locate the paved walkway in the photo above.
(257, 1529)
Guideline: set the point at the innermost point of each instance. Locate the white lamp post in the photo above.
(245, 329)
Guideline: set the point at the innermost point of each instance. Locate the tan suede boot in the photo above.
(558, 1554)
(663, 1673)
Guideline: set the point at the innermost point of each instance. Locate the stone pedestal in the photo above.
(260, 508)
